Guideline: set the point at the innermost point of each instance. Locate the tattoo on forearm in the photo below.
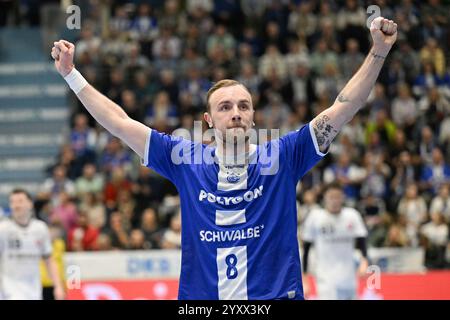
(324, 132)
(342, 99)
(377, 56)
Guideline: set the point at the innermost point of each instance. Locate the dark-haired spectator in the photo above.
(64, 212)
(115, 156)
(171, 238)
(137, 240)
(151, 228)
(52, 187)
(117, 231)
(435, 173)
(119, 182)
(435, 236)
(89, 182)
(82, 236)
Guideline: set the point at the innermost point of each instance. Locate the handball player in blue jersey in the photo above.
(238, 200)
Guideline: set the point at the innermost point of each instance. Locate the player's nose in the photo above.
(236, 116)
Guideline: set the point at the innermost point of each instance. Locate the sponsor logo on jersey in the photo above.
(231, 235)
(232, 178)
(248, 196)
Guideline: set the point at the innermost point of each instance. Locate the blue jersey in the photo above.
(239, 227)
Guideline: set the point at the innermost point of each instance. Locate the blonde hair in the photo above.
(221, 84)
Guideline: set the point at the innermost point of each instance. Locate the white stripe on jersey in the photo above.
(232, 268)
(230, 217)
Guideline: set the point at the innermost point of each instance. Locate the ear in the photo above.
(208, 119)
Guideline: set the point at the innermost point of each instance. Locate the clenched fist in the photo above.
(384, 33)
(63, 52)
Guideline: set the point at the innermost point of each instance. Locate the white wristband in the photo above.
(75, 81)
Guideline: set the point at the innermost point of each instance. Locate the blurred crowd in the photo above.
(157, 59)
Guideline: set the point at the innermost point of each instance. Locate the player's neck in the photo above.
(21, 223)
(233, 153)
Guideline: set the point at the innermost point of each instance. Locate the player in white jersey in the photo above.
(335, 231)
(24, 241)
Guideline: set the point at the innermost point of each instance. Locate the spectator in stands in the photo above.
(144, 27)
(151, 228)
(377, 173)
(322, 56)
(79, 138)
(92, 205)
(351, 59)
(435, 235)
(276, 112)
(131, 105)
(431, 52)
(253, 11)
(117, 231)
(408, 58)
(120, 21)
(116, 84)
(405, 174)
(412, 208)
(64, 212)
(378, 230)
(148, 188)
(134, 60)
(53, 186)
(118, 182)
(396, 237)
(441, 202)
(162, 114)
(196, 85)
(191, 59)
(144, 90)
(400, 144)
(383, 126)
(434, 106)
(436, 173)
(83, 236)
(272, 61)
(137, 240)
(302, 21)
(127, 206)
(404, 108)
(308, 203)
(89, 182)
(68, 159)
(171, 238)
(347, 174)
(223, 39)
(377, 101)
(103, 242)
(444, 136)
(115, 156)
(427, 78)
(194, 6)
(89, 42)
(351, 22)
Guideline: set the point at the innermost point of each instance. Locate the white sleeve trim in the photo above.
(144, 161)
(314, 139)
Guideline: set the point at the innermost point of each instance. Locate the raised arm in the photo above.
(354, 95)
(111, 116)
